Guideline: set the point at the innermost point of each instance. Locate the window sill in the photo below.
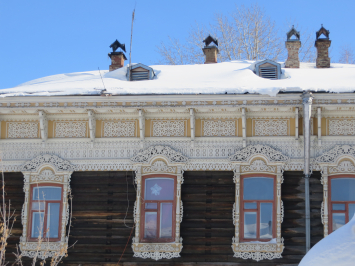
(45, 250)
(258, 251)
(157, 251)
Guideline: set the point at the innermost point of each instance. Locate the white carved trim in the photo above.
(146, 155)
(218, 128)
(158, 251)
(343, 167)
(168, 128)
(22, 130)
(45, 169)
(274, 127)
(271, 154)
(70, 129)
(258, 251)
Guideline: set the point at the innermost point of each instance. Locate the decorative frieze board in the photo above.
(168, 128)
(22, 130)
(126, 128)
(20, 118)
(219, 128)
(271, 127)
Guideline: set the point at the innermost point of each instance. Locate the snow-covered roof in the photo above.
(234, 77)
(336, 249)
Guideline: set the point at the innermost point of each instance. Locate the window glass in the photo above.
(47, 193)
(166, 217)
(265, 220)
(338, 220)
(37, 224)
(250, 225)
(159, 189)
(53, 220)
(38, 206)
(338, 207)
(258, 188)
(151, 206)
(351, 211)
(150, 225)
(250, 205)
(343, 189)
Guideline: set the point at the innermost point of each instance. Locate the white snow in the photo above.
(336, 249)
(231, 77)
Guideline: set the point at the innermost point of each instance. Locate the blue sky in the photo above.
(47, 37)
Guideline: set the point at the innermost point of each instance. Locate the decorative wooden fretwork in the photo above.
(70, 129)
(344, 127)
(168, 128)
(119, 129)
(218, 128)
(258, 159)
(158, 160)
(274, 127)
(22, 130)
(45, 169)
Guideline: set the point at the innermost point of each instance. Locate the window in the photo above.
(257, 205)
(342, 200)
(45, 213)
(45, 209)
(158, 207)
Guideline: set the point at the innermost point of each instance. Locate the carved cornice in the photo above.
(59, 164)
(246, 153)
(172, 155)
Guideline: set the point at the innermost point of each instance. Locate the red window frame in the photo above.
(143, 211)
(29, 231)
(242, 210)
(330, 203)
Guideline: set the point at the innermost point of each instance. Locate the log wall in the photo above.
(101, 228)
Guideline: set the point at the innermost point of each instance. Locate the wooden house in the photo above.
(211, 164)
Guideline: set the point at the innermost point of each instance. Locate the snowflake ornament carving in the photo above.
(156, 189)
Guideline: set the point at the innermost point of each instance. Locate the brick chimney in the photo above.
(210, 51)
(322, 45)
(293, 46)
(117, 58)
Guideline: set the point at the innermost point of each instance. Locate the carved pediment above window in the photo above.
(159, 167)
(258, 166)
(58, 163)
(343, 167)
(332, 155)
(246, 153)
(46, 175)
(172, 155)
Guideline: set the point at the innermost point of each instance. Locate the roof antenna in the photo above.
(102, 81)
(130, 47)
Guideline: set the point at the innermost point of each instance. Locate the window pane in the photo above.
(151, 206)
(343, 189)
(250, 205)
(351, 211)
(166, 220)
(47, 193)
(37, 224)
(150, 225)
(258, 188)
(338, 220)
(250, 225)
(338, 207)
(266, 220)
(159, 189)
(38, 206)
(53, 220)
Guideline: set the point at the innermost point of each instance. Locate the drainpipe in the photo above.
(307, 106)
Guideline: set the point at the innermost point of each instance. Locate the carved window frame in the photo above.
(158, 160)
(343, 166)
(44, 170)
(261, 160)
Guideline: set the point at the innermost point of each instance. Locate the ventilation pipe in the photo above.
(307, 106)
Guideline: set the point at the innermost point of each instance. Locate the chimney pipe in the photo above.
(210, 51)
(117, 60)
(322, 45)
(293, 46)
